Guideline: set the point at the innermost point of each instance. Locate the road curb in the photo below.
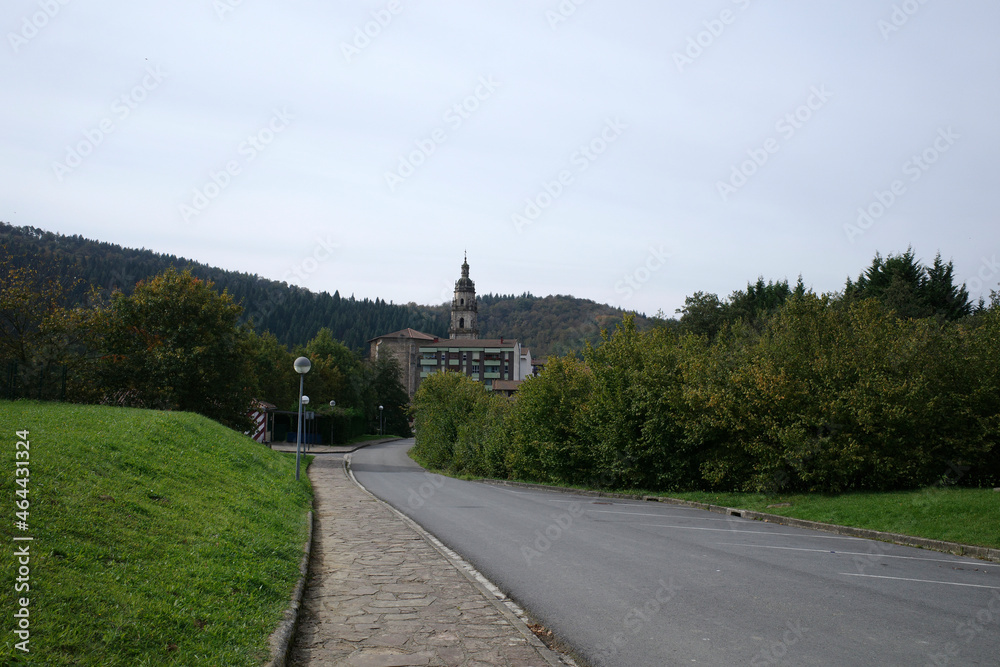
(281, 639)
(346, 451)
(514, 614)
(955, 548)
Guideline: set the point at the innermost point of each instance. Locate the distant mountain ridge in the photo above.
(547, 325)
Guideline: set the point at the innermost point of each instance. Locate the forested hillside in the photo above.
(549, 325)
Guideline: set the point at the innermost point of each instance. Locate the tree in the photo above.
(382, 385)
(702, 314)
(175, 344)
(278, 382)
(912, 290)
(27, 301)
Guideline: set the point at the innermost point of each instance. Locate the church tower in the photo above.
(464, 307)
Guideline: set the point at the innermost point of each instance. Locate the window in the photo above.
(461, 323)
(475, 368)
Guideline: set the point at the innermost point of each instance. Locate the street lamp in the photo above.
(333, 404)
(381, 422)
(305, 413)
(301, 366)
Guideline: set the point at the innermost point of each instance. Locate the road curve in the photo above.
(646, 584)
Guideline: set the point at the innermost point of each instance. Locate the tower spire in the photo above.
(464, 308)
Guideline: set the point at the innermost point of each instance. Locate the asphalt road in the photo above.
(635, 583)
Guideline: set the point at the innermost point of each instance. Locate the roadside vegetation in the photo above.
(892, 385)
(952, 514)
(160, 538)
(174, 342)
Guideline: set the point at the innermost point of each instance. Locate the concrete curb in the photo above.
(370, 443)
(507, 607)
(972, 551)
(367, 443)
(281, 639)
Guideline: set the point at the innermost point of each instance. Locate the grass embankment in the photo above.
(159, 538)
(966, 516)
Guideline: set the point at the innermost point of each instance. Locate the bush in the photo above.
(822, 395)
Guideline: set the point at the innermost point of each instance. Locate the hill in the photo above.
(548, 325)
(159, 537)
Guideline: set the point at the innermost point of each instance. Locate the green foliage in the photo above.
(838, 396)
(159, 538)
(444, 404)
(551, 439)
(912, 290)
(821, 395)
(175, 344)
(551, 325)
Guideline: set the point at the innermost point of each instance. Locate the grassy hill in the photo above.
(159, 538)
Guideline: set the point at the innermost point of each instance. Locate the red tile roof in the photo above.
(406, 333)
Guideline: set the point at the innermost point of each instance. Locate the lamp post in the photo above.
(333, 404)
(305, 414)
(301, 366)
(381, 422)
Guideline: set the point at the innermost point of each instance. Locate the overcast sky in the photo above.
(627, 152)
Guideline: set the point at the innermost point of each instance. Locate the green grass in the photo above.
(159, 538)
(966, 516)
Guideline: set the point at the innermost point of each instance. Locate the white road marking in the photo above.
(757, 532)
(861, 553)
(922, 581)
(668, 516)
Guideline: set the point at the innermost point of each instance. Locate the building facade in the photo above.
(405, 347)
(483, 360)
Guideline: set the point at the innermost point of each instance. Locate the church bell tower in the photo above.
(463, 307)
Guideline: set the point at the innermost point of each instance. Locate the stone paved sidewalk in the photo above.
(380, 595)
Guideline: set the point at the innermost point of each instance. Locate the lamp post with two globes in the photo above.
(302, 366)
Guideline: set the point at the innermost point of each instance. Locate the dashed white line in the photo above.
(861, 553)
(921, 581)
(756, 532)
